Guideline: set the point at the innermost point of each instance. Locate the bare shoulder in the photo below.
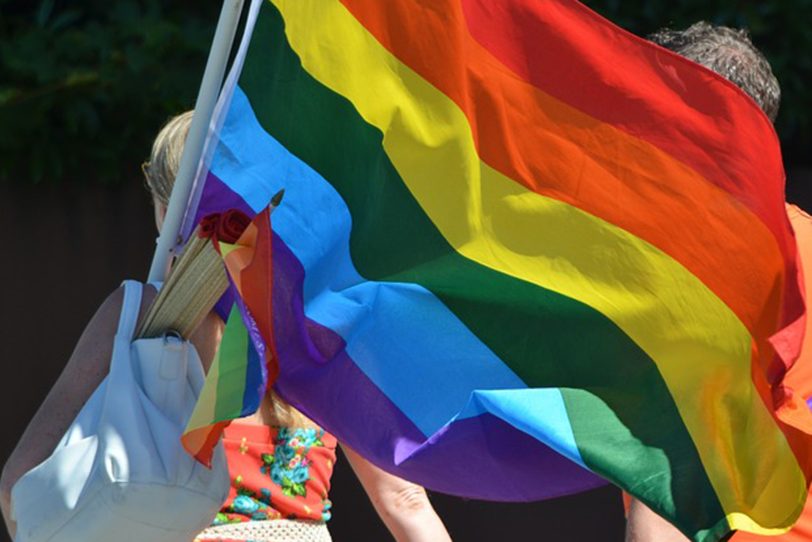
(113, 302)
(88, 365)
(105, 320)
(147, 297)
(91, 356)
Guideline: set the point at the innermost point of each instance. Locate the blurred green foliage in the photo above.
(84, 85)
(780, 28)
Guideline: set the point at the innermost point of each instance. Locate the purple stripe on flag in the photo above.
(218, 197)
(481, 457)
(498, 468)
(256, 379)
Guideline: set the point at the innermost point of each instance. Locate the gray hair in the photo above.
(730, 53)
(164, 160)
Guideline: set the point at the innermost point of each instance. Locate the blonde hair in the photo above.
(285, 414)
(159, 173)
(164, 160)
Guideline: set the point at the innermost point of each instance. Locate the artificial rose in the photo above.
(224, 227)
(232, 223)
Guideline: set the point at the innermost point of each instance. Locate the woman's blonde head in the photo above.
(164, 160)
(160, 172)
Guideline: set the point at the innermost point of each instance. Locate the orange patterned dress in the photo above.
(277, 473)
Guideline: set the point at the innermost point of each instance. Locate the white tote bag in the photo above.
(120, 472)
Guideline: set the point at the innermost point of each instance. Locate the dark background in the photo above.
(84, 87)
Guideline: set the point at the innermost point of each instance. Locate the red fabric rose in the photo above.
(224, 227)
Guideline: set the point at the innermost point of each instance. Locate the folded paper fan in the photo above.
(198, 279)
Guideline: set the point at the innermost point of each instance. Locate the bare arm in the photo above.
(644, 525)
(403, 506)
(86, 368)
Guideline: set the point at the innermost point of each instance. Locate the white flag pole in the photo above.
(204, 107)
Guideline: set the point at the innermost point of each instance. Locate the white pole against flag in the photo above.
(204, 107)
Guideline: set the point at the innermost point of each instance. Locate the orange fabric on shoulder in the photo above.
(799, 377)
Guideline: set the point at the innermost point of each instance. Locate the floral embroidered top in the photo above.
(277, 473)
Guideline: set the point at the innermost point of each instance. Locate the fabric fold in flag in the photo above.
(521, 252)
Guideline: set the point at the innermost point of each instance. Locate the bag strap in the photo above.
(130, 308)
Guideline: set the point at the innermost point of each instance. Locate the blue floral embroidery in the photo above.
(288, 466)
(325, 513)
(243, 504)
(223, 519)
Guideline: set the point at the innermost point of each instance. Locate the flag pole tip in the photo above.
(277, 198)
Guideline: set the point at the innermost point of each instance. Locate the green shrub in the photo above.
(85, 85)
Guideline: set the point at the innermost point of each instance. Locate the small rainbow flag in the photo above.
(521, 252)
(244, 364)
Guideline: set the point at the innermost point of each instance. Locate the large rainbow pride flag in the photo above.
(521, 251)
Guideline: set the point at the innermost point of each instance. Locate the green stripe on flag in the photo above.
(233, 359)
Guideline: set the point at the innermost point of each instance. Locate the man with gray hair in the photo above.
(730, 53)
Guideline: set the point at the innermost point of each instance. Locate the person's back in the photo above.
(730, 53)
(278, 473)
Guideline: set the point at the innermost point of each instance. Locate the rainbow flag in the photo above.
(521, 252)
